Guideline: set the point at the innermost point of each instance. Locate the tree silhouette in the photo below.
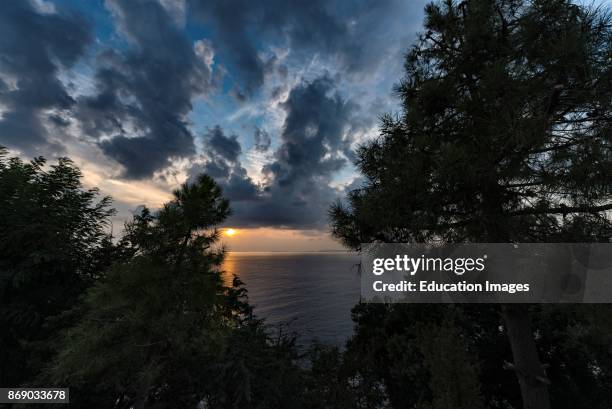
(159, 313)
(53, 245)
(160, 329)
(504, 136)
(145, 321)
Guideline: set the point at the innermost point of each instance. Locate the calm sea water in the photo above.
(309, 293)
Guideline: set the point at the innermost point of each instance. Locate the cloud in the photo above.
(36, 43)
(296, 192)
(226, 147)
(144, 93)
(262, 140)
(351, 34)
(129, 96)
(221, 161)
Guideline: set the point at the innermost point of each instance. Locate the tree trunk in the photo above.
(527, 366)
(529, 370)
(143, 395)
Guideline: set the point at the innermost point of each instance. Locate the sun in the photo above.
(230, 232)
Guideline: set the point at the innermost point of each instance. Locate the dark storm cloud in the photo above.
(34, 47)
(262, 140)
(314, 139)
(313, 133)
(227, 147)
(143, 94)
(222, 163)
(351, 33)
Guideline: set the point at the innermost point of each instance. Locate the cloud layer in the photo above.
(351, 33)
(34, 48)
(315, 139)
(145, 92)
(268, 97)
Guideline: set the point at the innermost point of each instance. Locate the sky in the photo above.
(269, 97)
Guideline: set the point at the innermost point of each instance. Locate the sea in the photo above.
(307, 294)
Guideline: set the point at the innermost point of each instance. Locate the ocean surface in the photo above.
(310, 294)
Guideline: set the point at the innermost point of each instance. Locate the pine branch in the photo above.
(563, 210)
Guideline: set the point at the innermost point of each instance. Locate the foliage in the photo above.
(161, 330)
(504, 135)
(388, 348)
(145, 321)
(335, 380)
(52, 245)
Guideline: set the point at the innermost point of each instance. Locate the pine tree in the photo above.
(504, 136)
(160, 329)
(53, 244)
(153, 327)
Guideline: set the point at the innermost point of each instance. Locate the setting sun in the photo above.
(230, 232)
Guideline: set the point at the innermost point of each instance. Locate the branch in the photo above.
(149, 344)
(563, 210)
(555, 148)
(526, 184)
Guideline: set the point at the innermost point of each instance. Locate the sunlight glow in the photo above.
(230, 232)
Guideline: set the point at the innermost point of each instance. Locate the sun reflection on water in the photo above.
(228, 271)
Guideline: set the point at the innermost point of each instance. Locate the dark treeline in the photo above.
(504, 135)
(139, 322)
